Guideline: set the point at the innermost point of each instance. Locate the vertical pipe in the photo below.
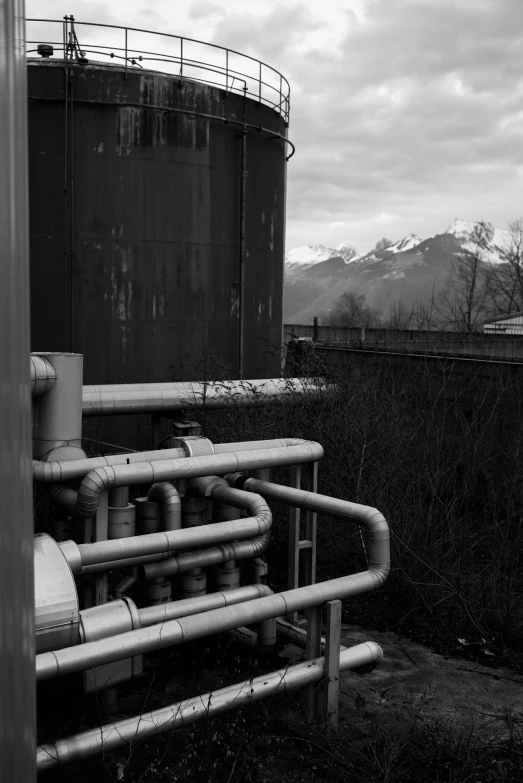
(243, 186)
(310, 528)
(101, 527)
(293, 569)
(59, 411)
(17, 668)
(332, 663)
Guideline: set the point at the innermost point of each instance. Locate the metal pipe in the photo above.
(203, 558)
(220, 394)
(169, 499)
(153, 615)
(58, 423)
(54, 472)
(43, 375)
(367, 516)
(17, 604)
(149, 472)
(172, 540)
(114, 735)
(174, 632)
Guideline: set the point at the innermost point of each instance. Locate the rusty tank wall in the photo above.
(135, 225)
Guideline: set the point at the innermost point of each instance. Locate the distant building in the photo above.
(512, 323)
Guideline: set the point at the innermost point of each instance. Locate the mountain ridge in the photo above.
(411, 270)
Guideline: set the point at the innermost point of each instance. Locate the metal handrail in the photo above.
(257, 87)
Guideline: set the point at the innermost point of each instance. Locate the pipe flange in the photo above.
(72, 554)
(194, 445)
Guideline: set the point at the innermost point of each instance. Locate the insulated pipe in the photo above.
(153, 615)
(58, 421)
(369, 517)
(171, 540)
(169, 499)
(43, 375)
(173, 632)
(203, 558)
(114, 735)
(97, 481)
(54, 472)
(219, 394)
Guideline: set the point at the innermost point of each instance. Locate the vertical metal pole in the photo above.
(332, 663)
(313, 650)
(17, 667)
(260, 84)
(310, 528)
(241, 282)
(126, 74)
(101, 534)
(181, 56)
(226, 71)
(293, 569)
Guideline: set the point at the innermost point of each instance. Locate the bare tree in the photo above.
(351, 309)
(400, 316)
(465, 301)
(505, 281)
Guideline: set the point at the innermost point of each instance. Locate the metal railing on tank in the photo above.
(186, 58)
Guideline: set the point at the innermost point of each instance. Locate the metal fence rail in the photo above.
(189, 58)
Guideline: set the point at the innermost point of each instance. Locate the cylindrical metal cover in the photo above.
(158, 592)
(194, 583)
(149, 515)
(194, 511)
(56, 599)
(121, 521)
(227, 578)
(110, 619)
(59, 410)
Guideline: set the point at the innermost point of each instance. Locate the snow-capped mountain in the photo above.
(315, 254)
(411, 270)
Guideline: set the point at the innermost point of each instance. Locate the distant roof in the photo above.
(505, 317)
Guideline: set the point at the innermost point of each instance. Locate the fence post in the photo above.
(332, 663)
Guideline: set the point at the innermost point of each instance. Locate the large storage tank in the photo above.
(157, 234)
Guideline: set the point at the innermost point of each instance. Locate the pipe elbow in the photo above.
(91, 489)
(66, 498)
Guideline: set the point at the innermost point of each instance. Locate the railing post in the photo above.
(226, 71)
(260, 84)
(332, 663)
(126, 53)
(181, 56)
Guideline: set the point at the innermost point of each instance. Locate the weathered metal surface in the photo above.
(17, 684)
(137, 266)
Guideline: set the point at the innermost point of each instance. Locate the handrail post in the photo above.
(126, 53)
(181, 56)
(260, 84)
(226, 71)
(332, 663)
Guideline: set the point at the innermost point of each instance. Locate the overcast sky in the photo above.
(405, 113)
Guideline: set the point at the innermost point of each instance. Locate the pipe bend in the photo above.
(43, 375)
(169, 498)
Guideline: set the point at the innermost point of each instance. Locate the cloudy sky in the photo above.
(405, 113)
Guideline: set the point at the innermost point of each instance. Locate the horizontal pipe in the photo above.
(152, 615)
(370, 518)
(150, 472)
(114, 735)
(54, 472)
(154, 398)
(43, 375)
(173, 632)
(203, 558)
(175, 540)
